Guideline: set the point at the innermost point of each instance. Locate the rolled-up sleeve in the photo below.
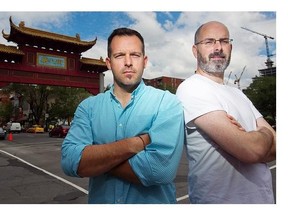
(159, 162)
(78, 137)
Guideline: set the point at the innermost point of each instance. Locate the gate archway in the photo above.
(47, 58)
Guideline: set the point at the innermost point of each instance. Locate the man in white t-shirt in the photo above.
(228, 140)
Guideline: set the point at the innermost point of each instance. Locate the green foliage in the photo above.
(5, 112)
(35, 95)
(66, 102)
(262, 93)
(57, 102)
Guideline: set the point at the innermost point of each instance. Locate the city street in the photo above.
(31, 173)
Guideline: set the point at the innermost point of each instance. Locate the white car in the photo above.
(13, 127)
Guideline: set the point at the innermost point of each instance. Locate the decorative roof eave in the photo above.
(5, 35)
(93, 64)
(91, 61)
(10, 50)
(21, 34)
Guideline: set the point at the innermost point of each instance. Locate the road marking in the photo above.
(64, 180)
(272, 167)
(45, 171)
(33, 143)
(76, 186)
(182, 198)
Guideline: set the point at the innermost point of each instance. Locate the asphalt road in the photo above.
(31, 173)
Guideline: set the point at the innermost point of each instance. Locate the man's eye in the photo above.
(208, 42)
(119, 56)
(136, 55)
(226, 41)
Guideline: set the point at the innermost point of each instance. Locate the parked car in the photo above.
(59, 131)
(14, 127)
(2, 133)
(35, 129)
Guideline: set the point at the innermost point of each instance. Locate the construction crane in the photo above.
(237, 80)
(269, 62)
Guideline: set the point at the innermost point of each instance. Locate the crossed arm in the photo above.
(250, 147)
(100, 159)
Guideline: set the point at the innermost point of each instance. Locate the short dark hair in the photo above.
(124, 32)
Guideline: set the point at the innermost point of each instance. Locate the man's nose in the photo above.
(217, 45)
(128, 60)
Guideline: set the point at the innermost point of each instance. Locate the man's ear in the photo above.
(195, 50)
(108, 63)
(145, 61)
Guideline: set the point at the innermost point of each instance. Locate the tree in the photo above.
(6, 109)
(262, 93)
(47, 103)
(66, 102)
(37, 98)
(35, 95)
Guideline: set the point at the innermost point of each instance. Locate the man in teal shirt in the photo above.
(128, 140)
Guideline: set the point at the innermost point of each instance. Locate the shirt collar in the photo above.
(137, 91)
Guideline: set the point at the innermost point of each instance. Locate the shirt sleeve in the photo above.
(256, 113)
(159, 162)
(197, 100)
(78, 137)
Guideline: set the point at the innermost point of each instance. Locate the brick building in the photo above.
(165, 83)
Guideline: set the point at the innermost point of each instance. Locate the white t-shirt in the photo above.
(214, 175)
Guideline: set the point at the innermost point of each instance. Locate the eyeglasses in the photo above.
(212, 41)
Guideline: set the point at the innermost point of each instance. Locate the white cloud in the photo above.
(169, 44)
(170, 54)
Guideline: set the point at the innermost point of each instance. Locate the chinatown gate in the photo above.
(46, 58)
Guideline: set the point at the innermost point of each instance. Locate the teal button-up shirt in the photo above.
(101, 119)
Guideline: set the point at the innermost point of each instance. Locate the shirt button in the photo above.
(120, 125)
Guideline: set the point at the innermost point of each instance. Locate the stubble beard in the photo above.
(215, 66)
(128, 83)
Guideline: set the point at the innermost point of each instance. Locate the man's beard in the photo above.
(215, 66)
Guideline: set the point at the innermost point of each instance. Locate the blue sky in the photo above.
(168, 36)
